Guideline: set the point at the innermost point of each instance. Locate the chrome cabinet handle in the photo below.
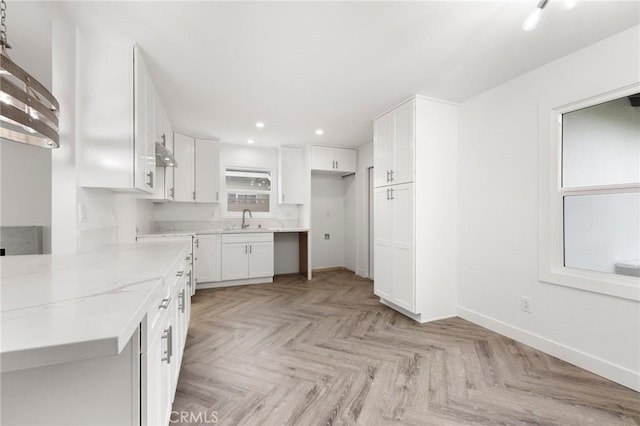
(181, 299)
(188, 257)
(337, 164)
(387, 175)
(172, 192)
(391, 175)
(189, 275)
(168, 336)
(179, 273)
(245, 249)
(150, 179)
(387, 193)
(392, 194)
(165, 303)
(197, 243)
(250, 248)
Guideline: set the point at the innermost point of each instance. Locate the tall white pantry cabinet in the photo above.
(415, 205)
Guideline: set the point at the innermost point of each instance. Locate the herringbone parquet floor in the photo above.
(327, 352)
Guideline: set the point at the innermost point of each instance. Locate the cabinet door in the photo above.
(167, 137)
(382, 149)
(322, 158)
(151, 136)
(383, 282)
(402, 246)
(234, 261)
(207, 258)
(183, 146)
(345, 160)
(207, 171)
(260, 259)
(140, 123)
(403, 143)
(156, 378)
(290, 173)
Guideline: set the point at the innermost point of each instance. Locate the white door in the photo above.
(383, 283)
(345, 159)
(207, 258)
(183, 175)
(403, 143)
(383, 149)
(261, 259)
(322, 158)
(290, 173)
(371, 222)
(207, 171)
(234, 261)
(402, 246)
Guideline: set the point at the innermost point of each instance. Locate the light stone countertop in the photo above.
(69, 307)
(220, 231)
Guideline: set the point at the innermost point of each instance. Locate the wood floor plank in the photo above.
(326, 352)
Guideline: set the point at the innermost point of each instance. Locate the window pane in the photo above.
(237, 202)
(601, 144)
(602, 232)
(247, 180)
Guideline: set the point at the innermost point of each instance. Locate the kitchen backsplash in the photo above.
(220, 224)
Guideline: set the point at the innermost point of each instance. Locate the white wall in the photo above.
(25, 187)
(498, 222)
(365, 161)
(327, 217)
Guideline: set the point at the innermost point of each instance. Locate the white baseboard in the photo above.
(233, 283)
(606, 369)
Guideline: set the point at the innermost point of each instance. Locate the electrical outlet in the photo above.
(327, 237)
(525, 304)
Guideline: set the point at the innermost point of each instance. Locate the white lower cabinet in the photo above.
(394, 245)
(207, 258)
(166, 325)
(245, 256)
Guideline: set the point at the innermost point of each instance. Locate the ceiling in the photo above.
(298, 66)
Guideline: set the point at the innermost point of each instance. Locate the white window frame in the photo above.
(225, 209)
(551, 268)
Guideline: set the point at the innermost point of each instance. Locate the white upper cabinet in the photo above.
(115, 116)
(394, 140)
(330, 159)
(290, 173)
(183, 175)
(197, 176)
(207, 171)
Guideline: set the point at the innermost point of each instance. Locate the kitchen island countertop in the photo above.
(68, 307)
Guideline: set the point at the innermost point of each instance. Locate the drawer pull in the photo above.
(165, 303)
(179, 273)
(168, 336)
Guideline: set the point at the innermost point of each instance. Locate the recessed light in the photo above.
(260, 124)
(319, 132)
(250, 141)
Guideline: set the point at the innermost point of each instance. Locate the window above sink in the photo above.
(248, 189)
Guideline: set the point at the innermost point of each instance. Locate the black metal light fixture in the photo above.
(28, 111)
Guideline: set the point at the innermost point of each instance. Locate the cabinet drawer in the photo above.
(247, 238)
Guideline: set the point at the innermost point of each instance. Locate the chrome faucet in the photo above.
(245, 226)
